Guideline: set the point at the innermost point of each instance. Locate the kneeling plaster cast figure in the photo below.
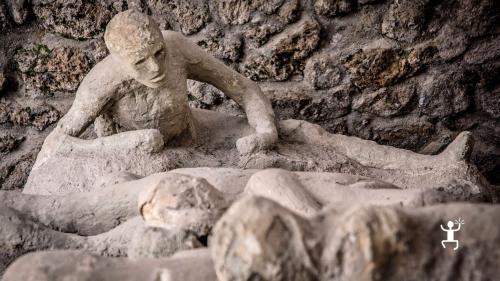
(162, 61)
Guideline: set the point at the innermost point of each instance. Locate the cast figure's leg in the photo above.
(371, 154)
(400, 167)
(149, 140)
(91, 213)
(20, 234)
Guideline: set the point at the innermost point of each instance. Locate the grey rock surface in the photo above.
(285, 53)
(2, 80)
(9, 143)
(78, 19)
(385, 102)
(18, 10)
(405, 20)
(187, 16)
(334, 8)
(4, 20)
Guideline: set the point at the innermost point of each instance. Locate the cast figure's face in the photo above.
(137, 43)
(147, 66)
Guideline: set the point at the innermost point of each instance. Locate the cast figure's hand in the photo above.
(256, 142)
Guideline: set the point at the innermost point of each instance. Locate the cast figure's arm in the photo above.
(203, 67)
(458, 228)
(94, 93)
(444, 229)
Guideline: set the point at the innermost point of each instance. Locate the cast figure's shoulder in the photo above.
(107, 71)
(176, 41)
(104, 77)
(183, 47)
(170, 35)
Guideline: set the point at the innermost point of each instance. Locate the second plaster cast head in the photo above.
(137, 42)
(182, 202)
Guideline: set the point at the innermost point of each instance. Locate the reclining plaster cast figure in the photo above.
(187, 207)
(21, 234)
(86, 213)
(166, 199)
(307, 193)
(197, 203)
(258, 239)
(33, 222)
(168, 205)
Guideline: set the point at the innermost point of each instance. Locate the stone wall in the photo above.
(406, 73)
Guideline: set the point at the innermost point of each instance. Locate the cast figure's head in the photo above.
(258, 239)
(182, 202)
(136, 40)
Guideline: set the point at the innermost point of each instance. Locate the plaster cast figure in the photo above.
(193, 205)
(258, 239)
(194, 198)
(140, 52)
(20, 234)
(184, 207)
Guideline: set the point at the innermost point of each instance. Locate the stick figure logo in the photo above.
(450, 232)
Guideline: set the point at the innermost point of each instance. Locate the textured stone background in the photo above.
(407, 73)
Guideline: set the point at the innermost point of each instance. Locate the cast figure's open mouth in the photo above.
(158, 78)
